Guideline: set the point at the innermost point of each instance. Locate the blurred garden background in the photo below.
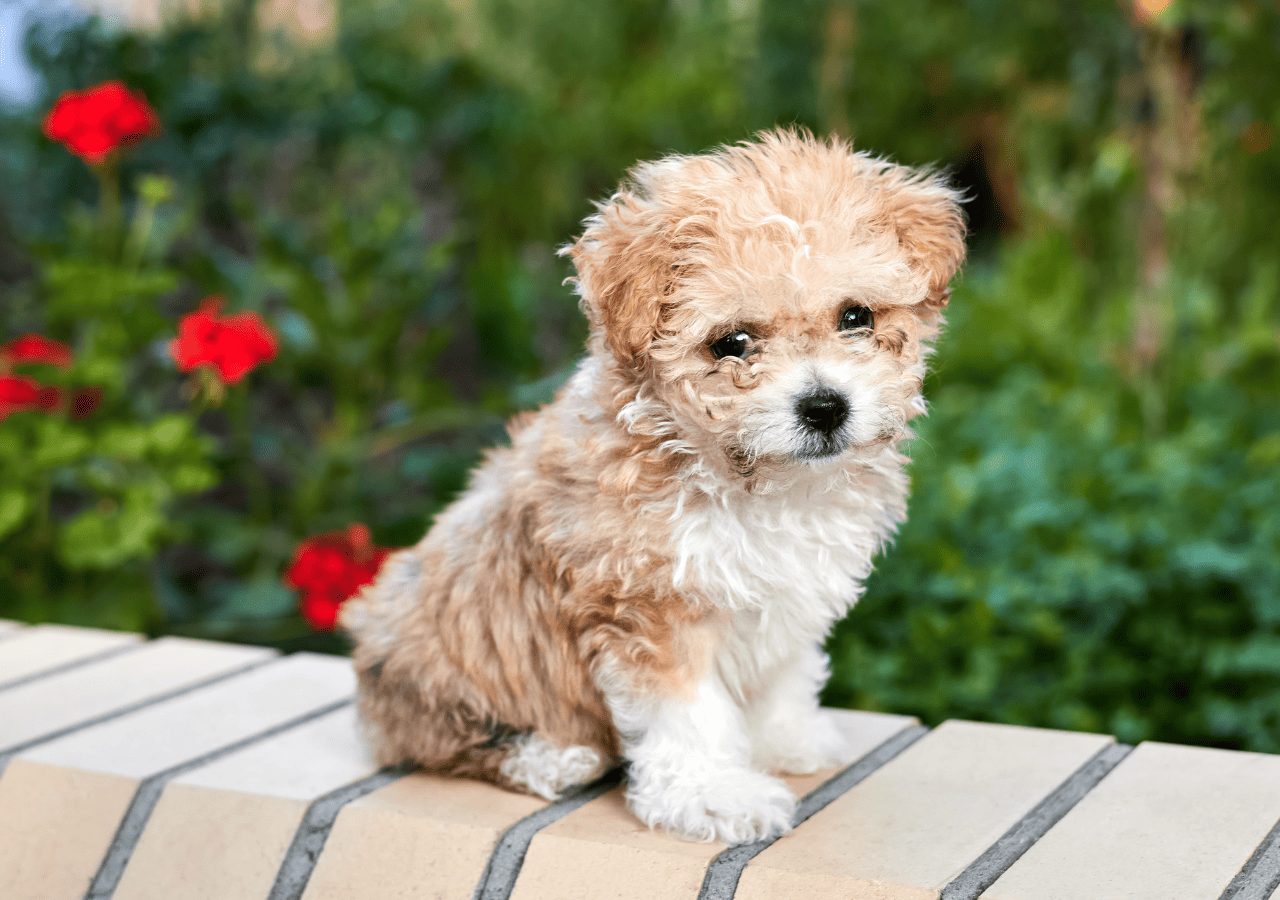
(380, 185)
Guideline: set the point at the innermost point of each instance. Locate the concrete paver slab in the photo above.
(1169, 821)
(56, 702)
(222, 830)
(73, 805)
(422, 830)
(912, 826)
(602, 850)
(158, 737)
(55, 825)
(44, 648)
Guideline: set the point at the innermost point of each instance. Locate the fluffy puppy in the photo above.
(649, 571)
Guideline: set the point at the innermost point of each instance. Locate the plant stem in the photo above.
(255, 485)
(109, 202)
(135, 246)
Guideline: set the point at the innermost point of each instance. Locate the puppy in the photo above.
(649, 571)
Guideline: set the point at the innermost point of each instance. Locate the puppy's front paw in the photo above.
(736, 806)
(803, 747)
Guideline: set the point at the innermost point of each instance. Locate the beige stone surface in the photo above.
(161, 736)
(85, 692)
(300, 764)
(221, 831)
(211, 844)
(38, 813)
(421, 837)
(605, 851)
(1168, 822)
(602, 850)
(918, 822)
(55, 826)
(782, 884)
(42, 647)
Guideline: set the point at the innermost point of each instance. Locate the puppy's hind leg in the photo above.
(534, 764)
(455, 740)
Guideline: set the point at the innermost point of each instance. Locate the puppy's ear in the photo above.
(627, 273)
(926, 215)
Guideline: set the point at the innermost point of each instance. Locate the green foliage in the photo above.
(1094, 539)
(85, 501)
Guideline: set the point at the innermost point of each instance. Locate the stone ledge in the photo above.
(41, 650)
(186, 769)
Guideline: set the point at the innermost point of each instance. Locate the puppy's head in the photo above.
(774, 300)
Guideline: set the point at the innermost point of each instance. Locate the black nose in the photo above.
(824, 410)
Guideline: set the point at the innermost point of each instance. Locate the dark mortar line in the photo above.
(8, 753)
(148, 794)
(996, 860)
(721, 880)
(1260, 876)
(309, 840)
(504, 865)
(74, 664)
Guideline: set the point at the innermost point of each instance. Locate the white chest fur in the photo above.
(785, 564)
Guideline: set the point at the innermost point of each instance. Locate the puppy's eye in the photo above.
(857, 317)
(735, 343)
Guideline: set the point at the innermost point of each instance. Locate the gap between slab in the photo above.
(73, 664)
(1260, 876)
(995, 861)
(500, 873)
(8, 753)
(721, 880)
(309, 840)
(144, 801)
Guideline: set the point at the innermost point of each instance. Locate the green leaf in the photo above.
(13, 508)
(1258, 655)
(101, 539)
(192, 478)
(263, 597)
(80, 287)
(58, 443)
(124, 441)
(169, 432)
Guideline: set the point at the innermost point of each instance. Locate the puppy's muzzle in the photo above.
(823, 411)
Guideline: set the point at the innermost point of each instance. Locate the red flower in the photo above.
(92, 123)
(234, 345)
(331, 568)
(16, 390)
(18, 394)
(36, 349)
